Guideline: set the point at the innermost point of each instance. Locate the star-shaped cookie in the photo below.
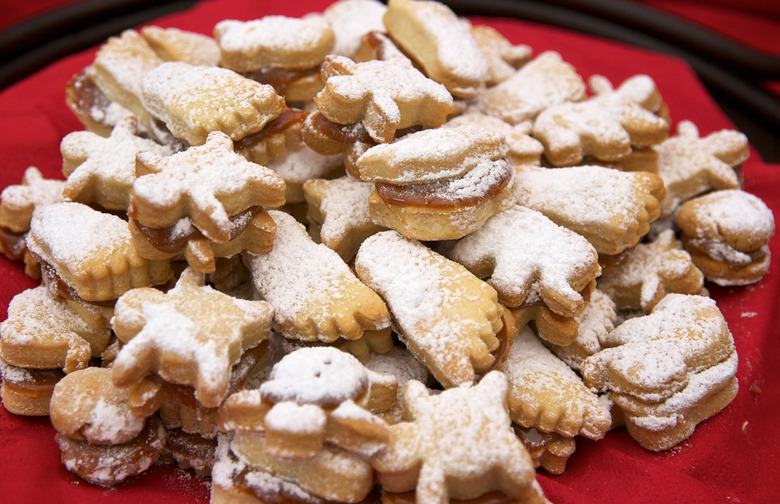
(102, 170)
(458, 444)
(208, 183)
(17, 202)
(192, 335)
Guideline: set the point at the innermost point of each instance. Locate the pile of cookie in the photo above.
(374, 253)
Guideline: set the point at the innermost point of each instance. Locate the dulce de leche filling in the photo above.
(279, 78)
(12, 244)
(288, 118)
(481, 184)
(33, 382)
(172, 239)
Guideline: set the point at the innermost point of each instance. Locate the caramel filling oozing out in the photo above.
(12, 244)
(38, 382)
(279, 78)
(172, 239)
(439, 194)
(288, 118)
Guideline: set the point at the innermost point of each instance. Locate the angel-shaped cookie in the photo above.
(458, 444)
(102, 170)
(192, 335)
(651, 357)
(546, 394)
(612, 209)
(526, 257)
(607, 127)
(313, 396)
(650, 271)
(383, 96)
(691, 165)
(314, 293)
(201, 201)
(446, 316)
(544, 81)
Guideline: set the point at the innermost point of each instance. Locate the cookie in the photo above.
(174, 336)
(439, 42)
(314, 294)
(502, 57)
(193, 101)
(338, 213)
(726, 232)
(427, 295)
(88, 254)
(102, 170)
(350, 20)
(421, 454)
(174, 44)
(612, 209)
(27, 392)
(649, 271)
(528, 258)
(549, 450)
(301, 164)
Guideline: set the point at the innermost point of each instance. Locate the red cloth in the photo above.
(731, 457)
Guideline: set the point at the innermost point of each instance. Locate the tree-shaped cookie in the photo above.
(691, 165)
(102, 170)
(649, 272)
(384, 96)
(192, 335)
(207, 183)
(458, 444)
(527, 257)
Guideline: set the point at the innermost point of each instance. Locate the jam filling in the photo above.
(280, 79)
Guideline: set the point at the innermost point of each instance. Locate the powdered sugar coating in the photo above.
(17, 202)
(350, 20)
(729, 214)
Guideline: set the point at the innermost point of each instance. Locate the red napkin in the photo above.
(731, 457)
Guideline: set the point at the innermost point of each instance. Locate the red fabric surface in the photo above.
(730, 458)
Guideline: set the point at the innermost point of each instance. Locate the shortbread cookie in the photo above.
(431, 155)
(313, 292)
(546, 394)
(174, 44)
(245, 471)
(43, 332)
(612, 209)
(549, 450)
(653, 364)
(89, 254)
(423, 455)
(313, 397)
(551, 327)
(523, 149)
(593, 326)
(649, 272)
(96, 111)
(192, 335)
(544, 81)
(660, 426)
(383, 96)
(640, 88)
(109, 465)
(607, 127)
(273, 42)
(209, 184)
(189, 451)
(102, 170)
(118, 71)
(503, 58)
(87, 406)
(400, 363)
(691, 165)
(17, 203)
(302, 164)
(528, 258)
(429, 295)
(27, 392)
(194, 101)
(350, 20)
(726, 232)
(447, 209)
(439, 42)
(338, 213)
